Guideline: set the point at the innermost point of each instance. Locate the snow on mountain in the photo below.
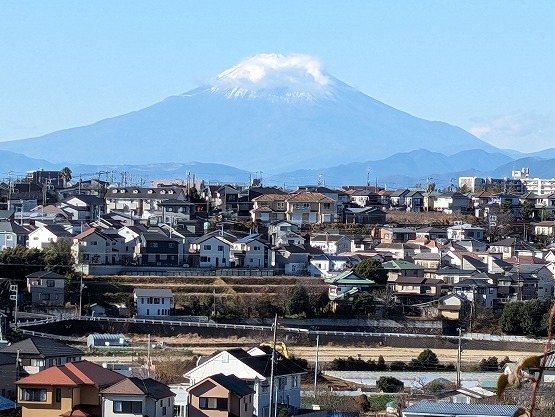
(271, 112)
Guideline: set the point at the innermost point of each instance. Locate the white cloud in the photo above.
(267, 71)
(526, 132)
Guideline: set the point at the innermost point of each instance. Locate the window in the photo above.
(171, 245)
(281, 383)
(256, 248)
(93, 243)
(280, 205)
(45, 297)
(294, 381)
(154, 244)
(33, 394)
(327, 206)
(37, 362)
(205, 259)
(128, 407)
(208, 403)
(220, 248)
(207, 247)
(156, 300)
(58, 395)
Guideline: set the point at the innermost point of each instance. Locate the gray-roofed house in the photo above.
(332, 244)
(135, 396)
(47, 288)
(441, 409)
(396, 234)
(37, 354)
(153, 301)
(221, 396)
(44, 236)
(157, 249)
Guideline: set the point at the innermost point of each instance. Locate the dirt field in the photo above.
(207, 347)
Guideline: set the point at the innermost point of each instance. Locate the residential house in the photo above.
(47, 289)
(292, 259)
(544, 228)
(396, 234)
(451, 275)
(461, 231)
(430, 261)
(134, 396)
(397, 197)
(331, 243)
(176, 211)
(400, 250)
(44, 236)
(346, 282)
(157, 249)
(401, 268)
(12, 234)
(140, 202)
(284, 233)
(477, 290)
(310, 208)
(269, 208)
(363, 215)
(363, 198)
(329, 265)
(83, 207)
(221, 395)
(452, 202)
(254, 367)
(414, 200)
(7, 376)
(251, 252)
(93, 246)
(214, 249)
(431, 233)
(36, 353)
(153, 301)
(409, 290)
(67, 390)
(506, 247)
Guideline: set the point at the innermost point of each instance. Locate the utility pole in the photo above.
(459, 356)
(272, 369)
(316, 365)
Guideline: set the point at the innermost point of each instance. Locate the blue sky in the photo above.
(486, 66)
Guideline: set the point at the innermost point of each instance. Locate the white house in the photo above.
(332, 244)
(214, 249)
(44, 236)
(153, 301)
(251, 252)
(93, 246)
(254, 367)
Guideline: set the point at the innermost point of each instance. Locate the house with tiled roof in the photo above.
(83, 207)
(254, 368)
(94, 246)
(401, 268)
(135, 396)
(68, 390)
(221, 396)
(251, 251)
(362, 215)
(37, 353)
(12, 234)
(157, 249)
(292, 259)
(347, 282)
(300, 208)
(390, 234)
(465, 231)
(214, 249)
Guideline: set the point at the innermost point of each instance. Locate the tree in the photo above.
(489, 364)
(427, 360)
(65, 173)
(298, 302)
(371, 269)
(389, 384)
(58, 258)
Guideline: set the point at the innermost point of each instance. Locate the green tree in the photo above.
(426, 360)
(371, 269)
(298, 303)
(389, 384)
(58, 258)
(65, 173)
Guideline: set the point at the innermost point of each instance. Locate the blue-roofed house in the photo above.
(433, 409)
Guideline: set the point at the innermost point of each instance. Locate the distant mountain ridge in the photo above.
(271, 113)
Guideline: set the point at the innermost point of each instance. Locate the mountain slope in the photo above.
(269, 113)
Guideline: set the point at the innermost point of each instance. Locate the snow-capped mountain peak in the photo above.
(275, 76)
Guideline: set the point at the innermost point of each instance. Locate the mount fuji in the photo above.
(271, 112)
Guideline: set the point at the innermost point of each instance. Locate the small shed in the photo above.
(98, 340)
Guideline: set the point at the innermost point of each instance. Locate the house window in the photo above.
(327, 206)
(204, 259)
(294, 381)
(281, 383)
(45, 297)
(58, 395)
(50, 282)
(207, 247)
(156, 300)
(93, 243)
(256, 248)
(37, 362)
(280, 205)
(128, 407)
(220, 248)
(171, 245)
(33, 394)
(208, 403)
(154, 245)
